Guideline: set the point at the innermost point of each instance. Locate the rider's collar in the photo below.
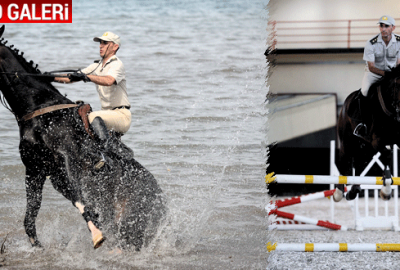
(380, 39)
(111, 59)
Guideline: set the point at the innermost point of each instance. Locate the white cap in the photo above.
(109, 36)
(386, 20)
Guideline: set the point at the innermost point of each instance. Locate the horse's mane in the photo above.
(29, 67)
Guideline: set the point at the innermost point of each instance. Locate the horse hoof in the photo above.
(352, 194)
(338, 195)
(98, 240)
(385, 196)
(35, 243)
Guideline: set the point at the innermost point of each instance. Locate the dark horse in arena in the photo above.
(121, 202)
(383, 129)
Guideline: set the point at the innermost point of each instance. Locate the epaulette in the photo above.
(97, 61)
(374, 40)
(397, 37)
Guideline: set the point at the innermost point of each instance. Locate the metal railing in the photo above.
(322, 33)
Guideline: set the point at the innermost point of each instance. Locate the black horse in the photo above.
(122, 201)
(383, 130)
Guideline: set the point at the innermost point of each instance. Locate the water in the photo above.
(195, 75)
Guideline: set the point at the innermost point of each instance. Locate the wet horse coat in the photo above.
(383, 126)
(123, 200)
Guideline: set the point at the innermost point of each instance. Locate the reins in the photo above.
(382, 102)
(45, 74)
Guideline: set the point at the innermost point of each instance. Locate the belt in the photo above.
(122, 107)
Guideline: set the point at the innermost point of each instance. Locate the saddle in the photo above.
(119, 149)
(84, 110)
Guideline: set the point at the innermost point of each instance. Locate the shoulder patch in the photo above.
(374, 40)
(96, 61)
(397, 37)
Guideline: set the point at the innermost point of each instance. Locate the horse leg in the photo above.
(62, 185)
(71, 193)
(386, 191)
(354, 191)
(88, 215)
(344, 164)
(34, 186)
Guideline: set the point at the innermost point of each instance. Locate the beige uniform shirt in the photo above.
(115, 95)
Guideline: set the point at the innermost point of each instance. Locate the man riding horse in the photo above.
(109, 76)
(381, 53)
(123, 201)
(370, 117)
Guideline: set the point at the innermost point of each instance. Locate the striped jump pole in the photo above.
(307, 220)
(327, 179)
(333, 247)
(304, 198)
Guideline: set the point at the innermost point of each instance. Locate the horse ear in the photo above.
(2, 30)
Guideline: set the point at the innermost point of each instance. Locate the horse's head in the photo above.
(20, 82)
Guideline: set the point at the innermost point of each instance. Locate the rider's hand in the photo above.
(390, 74)
(78, 76)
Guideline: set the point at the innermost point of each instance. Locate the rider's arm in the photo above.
(373, 69)
(62, 79)
(102, 80)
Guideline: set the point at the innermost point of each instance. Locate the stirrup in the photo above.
(101, 163)
(356, 131)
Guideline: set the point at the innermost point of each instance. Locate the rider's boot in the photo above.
(102, 133)
(361, 129)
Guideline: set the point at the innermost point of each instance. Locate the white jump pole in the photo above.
(333, 247)
(327, 179)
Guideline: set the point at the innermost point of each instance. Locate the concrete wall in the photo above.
(318, 73)
(296, 116)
